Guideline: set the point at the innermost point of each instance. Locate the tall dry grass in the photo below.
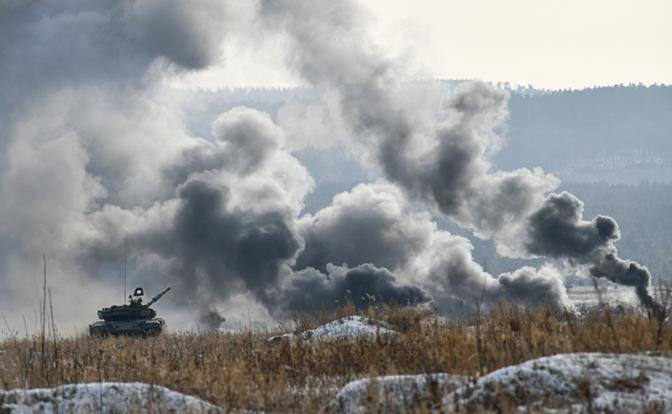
(245, 371)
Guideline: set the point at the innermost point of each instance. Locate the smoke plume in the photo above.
(95, 152)
(445, 165)
(363, 285)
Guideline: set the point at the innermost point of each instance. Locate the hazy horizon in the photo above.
(572, 44)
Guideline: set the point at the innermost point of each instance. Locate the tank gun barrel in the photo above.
(157, 297)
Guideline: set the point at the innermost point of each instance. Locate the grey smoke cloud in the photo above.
(531, 286)
(626, 273)
(221, 236)
(77, 42)
(84, 136)
(229, 226)
(246, 139)
(185, 33)
(92, 151)
(220, 249)
(366, 225)
(445, 167)
(364, 285)
(557, 229)
(376, 224)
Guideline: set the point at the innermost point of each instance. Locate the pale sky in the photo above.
(549, 44)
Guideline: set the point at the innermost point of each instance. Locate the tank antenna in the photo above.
(125, 263)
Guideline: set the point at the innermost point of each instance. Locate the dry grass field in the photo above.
(244, 371)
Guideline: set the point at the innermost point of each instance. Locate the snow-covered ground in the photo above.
(102, 397)
(616, 383)
(604, 382)
(394, 393)
(584, 382)
(349, 327)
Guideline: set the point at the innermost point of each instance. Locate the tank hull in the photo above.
(147, 327)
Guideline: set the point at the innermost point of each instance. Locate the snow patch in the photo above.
(349, 327)
(593, 382)
(599, 382)
(395, 393)
(102, 397)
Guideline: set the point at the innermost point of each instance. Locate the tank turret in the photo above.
(131, 319)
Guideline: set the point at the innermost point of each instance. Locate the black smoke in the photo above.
(557, 229)
(222, 248)
(363, 286)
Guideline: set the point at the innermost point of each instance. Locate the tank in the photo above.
(134, 319)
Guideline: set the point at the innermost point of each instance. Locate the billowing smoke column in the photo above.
(444, 165)
(93, 152)
(234, 226)
(83, 135)
(376, 223)
(557, 230)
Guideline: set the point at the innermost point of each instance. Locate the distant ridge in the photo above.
(617, 134)
(514, 88)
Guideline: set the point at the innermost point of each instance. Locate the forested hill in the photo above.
(620, 134)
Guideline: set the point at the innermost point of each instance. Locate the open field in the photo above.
(244, 371)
